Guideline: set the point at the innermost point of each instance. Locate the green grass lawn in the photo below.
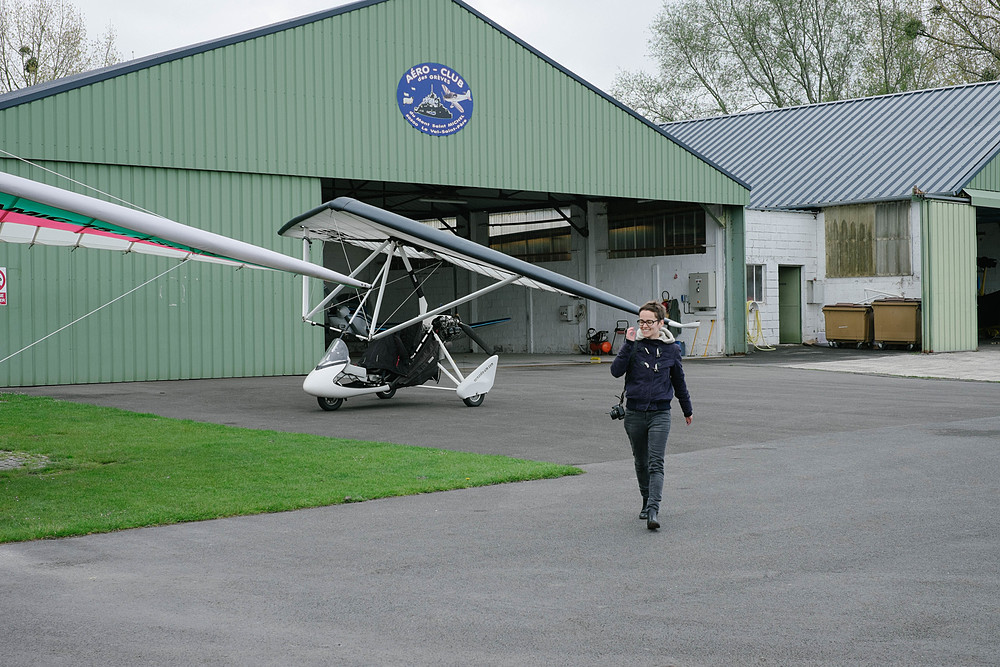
(88, 469)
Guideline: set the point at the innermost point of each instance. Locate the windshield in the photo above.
(335, 354)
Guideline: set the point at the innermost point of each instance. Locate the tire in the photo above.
(329, 404)
(388, 393)
(474, 401)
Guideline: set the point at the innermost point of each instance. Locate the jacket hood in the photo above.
(664, 336)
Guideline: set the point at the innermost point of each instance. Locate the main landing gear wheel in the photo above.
(474, 401)
(329, 404)
(388, 393)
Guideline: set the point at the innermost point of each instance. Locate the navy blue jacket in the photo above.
(655, 377)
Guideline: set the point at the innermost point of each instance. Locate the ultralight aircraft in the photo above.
(412, 352)
(396, 355)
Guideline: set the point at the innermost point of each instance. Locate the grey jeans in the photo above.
(648, 431)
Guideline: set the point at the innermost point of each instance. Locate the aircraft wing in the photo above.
(32, 212)
(347, 220)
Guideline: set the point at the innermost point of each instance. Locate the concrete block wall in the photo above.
(789, 238)
(536, 325)
(643, 278)
(783, 238)
(869, 288)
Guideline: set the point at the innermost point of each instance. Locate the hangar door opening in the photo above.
(988, 271)
(789, 304)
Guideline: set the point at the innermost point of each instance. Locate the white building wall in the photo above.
(789, 238)
(641, 279)
(537, 325)
(867, 289)
(783, 238)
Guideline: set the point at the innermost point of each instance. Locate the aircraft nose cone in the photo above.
(321, 380)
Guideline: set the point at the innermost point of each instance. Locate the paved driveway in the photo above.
(810, 517)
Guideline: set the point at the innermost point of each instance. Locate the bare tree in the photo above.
(726, 56)
(968, 32)
(893, 61)
(42, 40)
(696, 72)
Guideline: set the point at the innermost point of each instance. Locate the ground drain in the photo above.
(12, 460)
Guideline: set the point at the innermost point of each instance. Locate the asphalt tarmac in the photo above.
(813, 514)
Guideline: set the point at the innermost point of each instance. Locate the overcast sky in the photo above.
(592, 38)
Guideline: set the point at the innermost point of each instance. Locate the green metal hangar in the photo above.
(241, 134)
(896, 195)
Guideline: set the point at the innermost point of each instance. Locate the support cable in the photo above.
(83, 317)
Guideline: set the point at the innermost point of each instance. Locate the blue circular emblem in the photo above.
(434, 99)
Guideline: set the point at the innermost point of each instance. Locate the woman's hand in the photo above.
(630, 334)
(687, 419)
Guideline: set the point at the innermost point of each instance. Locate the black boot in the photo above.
(644, 513)
(651, 521)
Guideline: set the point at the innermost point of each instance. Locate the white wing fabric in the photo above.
(32, 212)
(347, 220)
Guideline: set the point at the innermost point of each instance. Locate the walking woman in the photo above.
(650, 360)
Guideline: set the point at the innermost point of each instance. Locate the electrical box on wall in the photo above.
(814, 291)
(701, 290)
(565, 314)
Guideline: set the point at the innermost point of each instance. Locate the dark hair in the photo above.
(655, 307)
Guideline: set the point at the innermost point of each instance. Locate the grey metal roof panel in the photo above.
(869, 149)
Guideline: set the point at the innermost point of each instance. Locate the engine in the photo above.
(448, 327)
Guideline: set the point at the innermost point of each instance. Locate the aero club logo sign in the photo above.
(434, 99)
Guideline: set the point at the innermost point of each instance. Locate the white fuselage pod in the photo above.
(334, 366)
(480, 381)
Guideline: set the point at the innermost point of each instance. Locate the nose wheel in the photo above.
(329, 404)
(474, 401)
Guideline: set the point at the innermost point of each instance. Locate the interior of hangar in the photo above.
(241, 134)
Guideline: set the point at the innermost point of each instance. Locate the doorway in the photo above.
(789, 304)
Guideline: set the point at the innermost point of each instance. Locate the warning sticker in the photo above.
(3, 286)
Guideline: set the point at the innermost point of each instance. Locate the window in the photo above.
(868, 240)
(534, 236)
(449, 225)
(755, 282)
(892, 239)
(633, 232)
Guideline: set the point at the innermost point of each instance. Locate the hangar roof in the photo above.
(314, 97)
(869, 149)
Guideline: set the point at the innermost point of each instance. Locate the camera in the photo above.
(617, 411)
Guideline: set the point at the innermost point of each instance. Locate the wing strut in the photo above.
(307, 316)
(448, 306)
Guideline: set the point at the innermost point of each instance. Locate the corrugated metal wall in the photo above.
(234, 139)
(200, 320)
(319, 100)
(948, 284)
(736, 281)
(988, 177)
